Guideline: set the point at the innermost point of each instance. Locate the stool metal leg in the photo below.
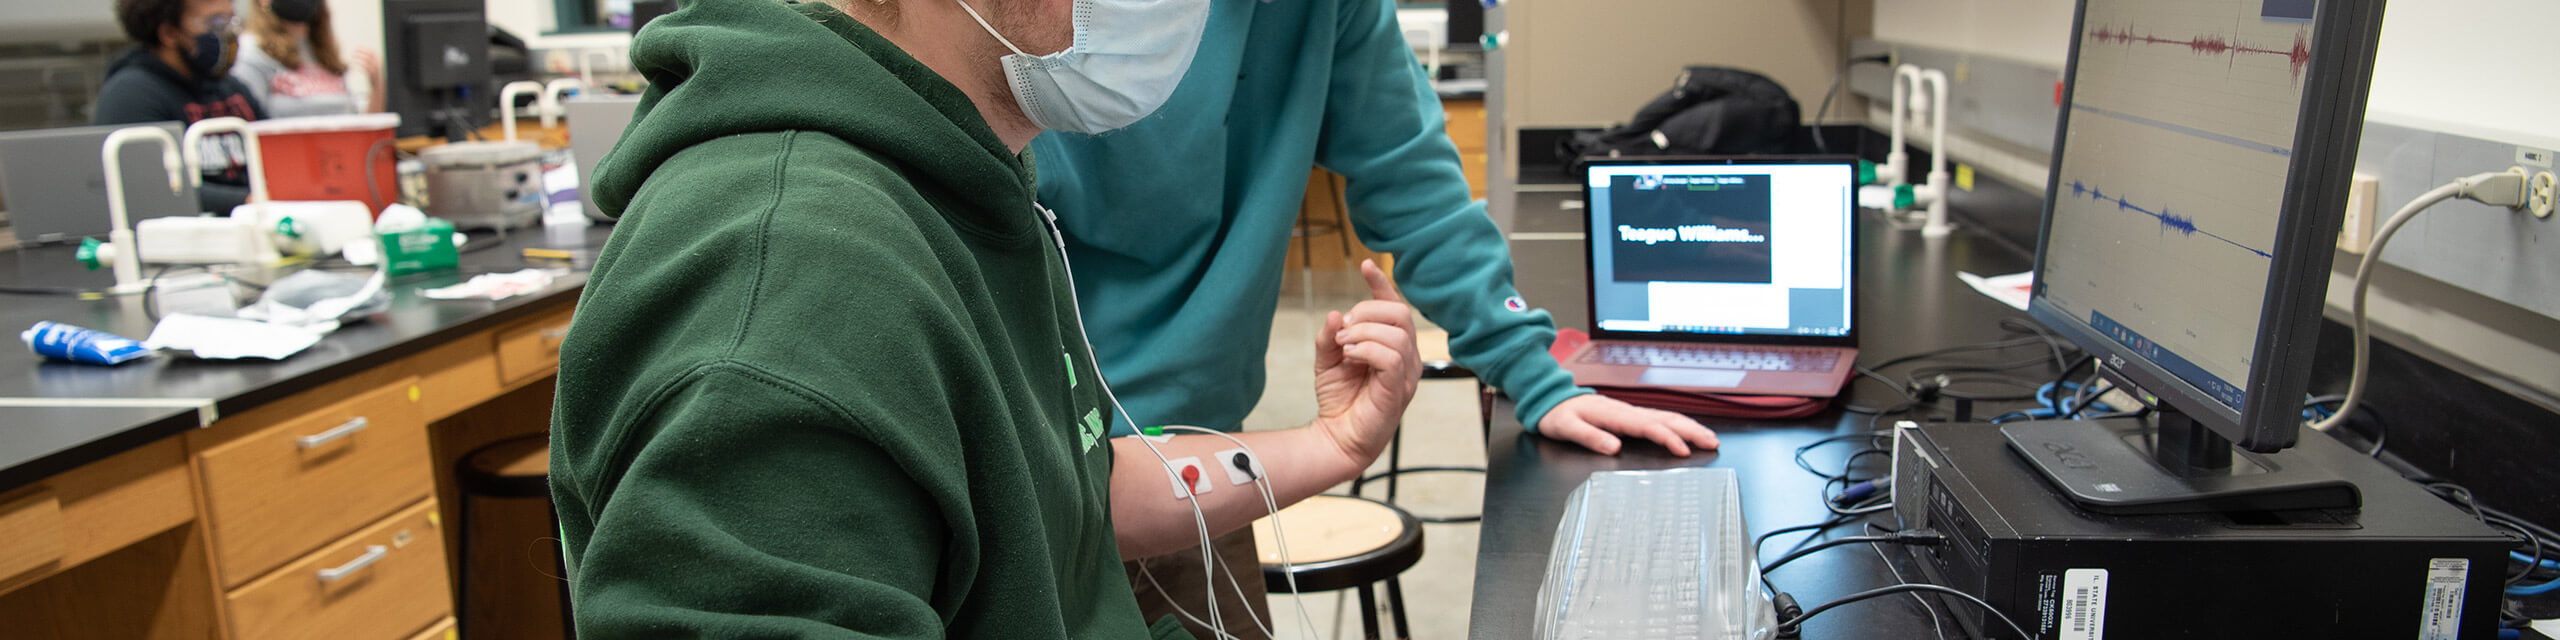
(1368, 613)
(1395, 608)
(1395, 461)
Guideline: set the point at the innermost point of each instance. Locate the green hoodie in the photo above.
(825, 380)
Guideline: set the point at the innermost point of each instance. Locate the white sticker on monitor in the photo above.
(2443, 611)
(2084, 605)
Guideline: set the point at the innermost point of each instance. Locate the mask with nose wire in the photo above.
(1126, 58)
(213, 52)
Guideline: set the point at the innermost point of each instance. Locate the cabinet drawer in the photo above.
(31, 534)
(387, 581)
(284, 490)
(531, 349)
(1466, 123)
(441, 630)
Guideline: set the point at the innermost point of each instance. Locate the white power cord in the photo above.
(2502, 188)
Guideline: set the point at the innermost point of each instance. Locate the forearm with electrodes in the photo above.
(1152, 515)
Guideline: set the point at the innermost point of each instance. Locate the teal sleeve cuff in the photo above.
(1536, 385)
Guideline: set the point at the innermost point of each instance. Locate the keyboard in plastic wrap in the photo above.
(1654, 554)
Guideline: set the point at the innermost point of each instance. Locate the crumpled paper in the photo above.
(215, 338)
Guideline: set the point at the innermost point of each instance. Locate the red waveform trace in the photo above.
(2212, 45)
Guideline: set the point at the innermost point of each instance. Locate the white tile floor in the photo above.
(1441, 429)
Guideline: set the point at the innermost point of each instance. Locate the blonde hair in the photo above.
(272, 39)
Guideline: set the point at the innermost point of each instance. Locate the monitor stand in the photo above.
(2125, 467)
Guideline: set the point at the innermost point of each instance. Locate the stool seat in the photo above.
(1338, 542)
(513, 468)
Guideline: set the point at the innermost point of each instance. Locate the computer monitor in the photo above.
(439, 73)
(2199, 176)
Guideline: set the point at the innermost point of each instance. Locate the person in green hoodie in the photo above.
(1182, 220)
(827, 377)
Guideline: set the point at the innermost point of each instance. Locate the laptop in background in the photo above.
(56, 189)
(1722, 275)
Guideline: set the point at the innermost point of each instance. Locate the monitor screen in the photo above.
(2201, 162)
(1721, 249)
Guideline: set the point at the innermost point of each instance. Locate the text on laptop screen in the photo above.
(1741, 249)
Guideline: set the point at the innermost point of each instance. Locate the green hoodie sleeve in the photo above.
(1384, 133)
(791, 523)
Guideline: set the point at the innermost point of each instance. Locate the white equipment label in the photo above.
(2084, 605)
(2445, 577)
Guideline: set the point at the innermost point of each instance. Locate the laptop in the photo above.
(56, 188)
(1724, 275)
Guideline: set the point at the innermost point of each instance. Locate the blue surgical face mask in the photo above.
(1124, 63)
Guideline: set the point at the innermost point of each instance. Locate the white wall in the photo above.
(2479, 68)
(2037, 31)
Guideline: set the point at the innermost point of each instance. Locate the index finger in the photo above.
(1379, 286)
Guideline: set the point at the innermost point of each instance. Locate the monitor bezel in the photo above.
(2326, 135)
(1591, 296)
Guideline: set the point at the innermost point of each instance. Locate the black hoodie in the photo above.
(140, 88)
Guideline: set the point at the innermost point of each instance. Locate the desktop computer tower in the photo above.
(2406, 565)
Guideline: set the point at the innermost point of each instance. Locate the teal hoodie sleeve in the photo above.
(1384, 132)
(790, 523)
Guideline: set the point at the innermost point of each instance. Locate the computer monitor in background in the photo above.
(440, 80)
(646, 10)
(1466, 23)
(2199, 177)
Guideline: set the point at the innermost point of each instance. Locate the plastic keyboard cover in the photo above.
(1654, 554)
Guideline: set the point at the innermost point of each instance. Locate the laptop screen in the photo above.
(1721, 248)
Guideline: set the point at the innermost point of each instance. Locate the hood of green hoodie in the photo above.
(719, 68)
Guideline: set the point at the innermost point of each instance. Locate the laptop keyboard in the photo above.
(1788, 359)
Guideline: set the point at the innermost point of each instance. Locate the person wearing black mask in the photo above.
(291, 61)
(180, 69)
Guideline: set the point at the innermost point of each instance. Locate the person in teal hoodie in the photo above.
(1182, 223)
(827, 380)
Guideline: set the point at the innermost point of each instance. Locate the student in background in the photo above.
(290, 60)
(180, 69)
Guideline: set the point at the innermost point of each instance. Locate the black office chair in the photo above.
(512, 469)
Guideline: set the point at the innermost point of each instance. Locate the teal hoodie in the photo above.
(1179, 224)
(825, 379)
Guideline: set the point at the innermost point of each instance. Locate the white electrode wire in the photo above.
(1288, 568)
(2364, 282)
(1199, 519)
(1186, 614)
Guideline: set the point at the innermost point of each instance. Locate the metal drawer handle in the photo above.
(372, 554)
(325, 437)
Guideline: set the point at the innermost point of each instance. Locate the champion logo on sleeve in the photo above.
(1515, 304)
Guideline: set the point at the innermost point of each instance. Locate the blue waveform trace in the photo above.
(2184, 225)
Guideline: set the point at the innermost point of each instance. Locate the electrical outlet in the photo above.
(2540, 192)
(2357, 232)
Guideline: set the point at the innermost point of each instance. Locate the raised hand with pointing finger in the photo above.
(1367, 367)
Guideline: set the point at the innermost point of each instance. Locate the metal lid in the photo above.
(479, 154)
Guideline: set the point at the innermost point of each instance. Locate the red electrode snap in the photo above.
(1190, 476)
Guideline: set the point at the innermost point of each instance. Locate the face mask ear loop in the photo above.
(991, 29)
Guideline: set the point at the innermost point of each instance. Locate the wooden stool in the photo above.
(1343, 542)
(516, 468)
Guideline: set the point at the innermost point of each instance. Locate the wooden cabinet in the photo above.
(531, 348)
(1467, 131)
(84, 513)
(286, 489)
(386, 581)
